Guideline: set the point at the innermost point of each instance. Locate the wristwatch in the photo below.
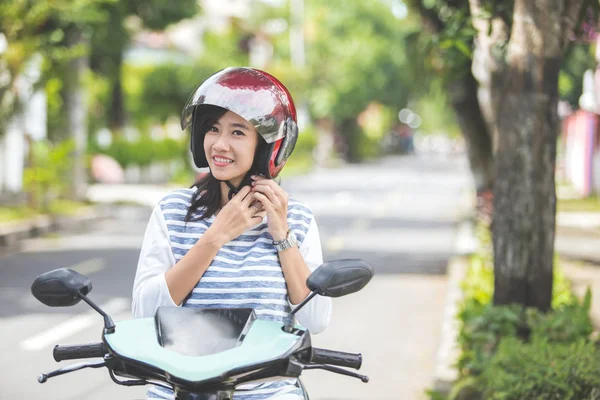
(287, 243)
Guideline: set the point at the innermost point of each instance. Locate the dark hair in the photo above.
(207, 198)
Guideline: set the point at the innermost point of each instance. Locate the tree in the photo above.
(447, 41)
(518, 55)
(108, 44)
(353, 64)
(54, 31)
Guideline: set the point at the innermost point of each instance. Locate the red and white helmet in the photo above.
(259, 98)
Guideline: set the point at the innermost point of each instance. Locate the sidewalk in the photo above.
(106, 199)
(578, 244)
(578, 236)
(147, 195)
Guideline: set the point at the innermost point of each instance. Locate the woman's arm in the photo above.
(184, 275)
(232, 220)
(297, 264)
(159, 281)
(150, 289)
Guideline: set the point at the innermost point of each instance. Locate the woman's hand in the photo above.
(239, 214)
(274, 201)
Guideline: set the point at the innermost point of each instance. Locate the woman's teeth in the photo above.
(222, 160)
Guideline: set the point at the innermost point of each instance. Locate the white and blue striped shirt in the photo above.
(245, 273)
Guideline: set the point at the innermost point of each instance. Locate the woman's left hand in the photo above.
(274, 201)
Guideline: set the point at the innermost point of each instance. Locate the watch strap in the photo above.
(287, 243)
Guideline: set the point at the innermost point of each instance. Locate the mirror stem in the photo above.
(109, 325)
(290, 326)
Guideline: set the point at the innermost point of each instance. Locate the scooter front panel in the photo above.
(136, 340)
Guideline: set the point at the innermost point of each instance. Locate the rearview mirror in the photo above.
(60, 287)
(340, 277)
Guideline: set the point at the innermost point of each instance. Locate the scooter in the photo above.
(236, 347)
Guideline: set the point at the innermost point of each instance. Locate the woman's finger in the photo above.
(269, 182)
(255, 207)
(264, 200)
(260, 215)
(242, 194)
(245, 199)
(266, 190)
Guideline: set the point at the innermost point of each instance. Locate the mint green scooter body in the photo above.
(265, 341)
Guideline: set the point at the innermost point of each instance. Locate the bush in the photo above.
(307, 141)
(510, 352)
(48, 175)
(144, 151)
(542, 369)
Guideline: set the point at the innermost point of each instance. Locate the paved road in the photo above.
(399, 214)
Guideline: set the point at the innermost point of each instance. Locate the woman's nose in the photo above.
(221, 144)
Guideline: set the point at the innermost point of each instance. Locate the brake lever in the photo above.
(338, 370)
(71, 368)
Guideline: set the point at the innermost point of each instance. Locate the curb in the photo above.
(445, 373)
(13, 232)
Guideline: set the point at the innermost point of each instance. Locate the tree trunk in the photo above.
(527, 126)
(349, 131)
(463, 96)
(76, 112)
(117, 117)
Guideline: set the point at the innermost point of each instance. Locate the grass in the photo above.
(8, 214)
(66, 207)
(583, 204)
(57, 207)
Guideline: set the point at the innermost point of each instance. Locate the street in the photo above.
(399, 214)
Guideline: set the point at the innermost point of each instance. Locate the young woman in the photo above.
(235, 239)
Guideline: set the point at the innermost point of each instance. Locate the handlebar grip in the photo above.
(91, 350)
(339, 358)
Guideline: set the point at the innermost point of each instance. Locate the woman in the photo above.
(235, 239)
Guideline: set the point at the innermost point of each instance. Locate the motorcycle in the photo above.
(236, 347)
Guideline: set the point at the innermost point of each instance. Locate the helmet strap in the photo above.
(233, 190)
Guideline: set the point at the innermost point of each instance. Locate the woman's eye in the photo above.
(239, 133)
(213, 129)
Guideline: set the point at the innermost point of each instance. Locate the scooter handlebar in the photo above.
(91, 350)
(339, 358)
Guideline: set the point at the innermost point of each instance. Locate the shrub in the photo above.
(48, 175)
(510, 352)
(144, 151)
(542, 369)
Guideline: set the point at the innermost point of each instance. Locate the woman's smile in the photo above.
(220, 161)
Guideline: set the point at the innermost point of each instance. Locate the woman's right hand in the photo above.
(236, 217)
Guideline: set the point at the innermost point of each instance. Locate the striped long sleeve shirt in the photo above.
(245, 273)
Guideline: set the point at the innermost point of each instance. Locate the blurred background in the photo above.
(88, 78)
(396, 147)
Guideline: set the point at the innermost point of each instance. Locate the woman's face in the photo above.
(229, 146)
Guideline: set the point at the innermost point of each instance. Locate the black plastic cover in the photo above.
(340, 277)
(59, 288)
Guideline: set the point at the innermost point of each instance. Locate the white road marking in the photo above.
(88, 267)
(74, 325)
